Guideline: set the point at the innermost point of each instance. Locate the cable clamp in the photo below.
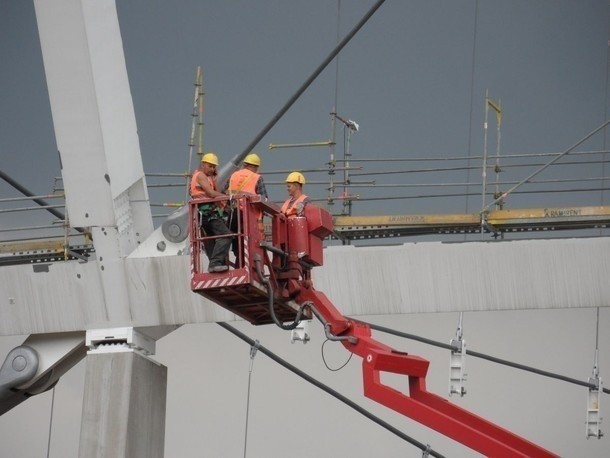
(457, 363)
(594, 419)
(254, 348)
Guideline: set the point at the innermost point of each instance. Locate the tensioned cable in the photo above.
(28, 228)
(330, 391)
(607, 86)
(548, 164)
(51, 423)
(428, 196)
(43, 204)
(253, 351)
(335, 105)
(466, 158)
(509, 166)
(48, 196)
(308, 81)
(373, 184)
(428, 159)
(22, 209)
(470, 167)
(445, 185)
(22, 189)
(46, 237)
(472, 70)
(482, 356)
(597, 331)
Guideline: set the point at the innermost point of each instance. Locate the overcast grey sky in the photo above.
(414, 79)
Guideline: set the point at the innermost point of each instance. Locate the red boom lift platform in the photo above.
(270, 282)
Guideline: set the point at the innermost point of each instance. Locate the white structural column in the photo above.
(96, 135)
(124, 407)
(103, 176)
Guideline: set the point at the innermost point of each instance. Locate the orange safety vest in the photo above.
(243, 180)
(291, 206)
(196, 190)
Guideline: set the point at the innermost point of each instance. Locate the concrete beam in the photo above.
(409, 278)
(123, 407)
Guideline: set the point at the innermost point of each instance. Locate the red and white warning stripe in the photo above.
(246, 252)
(217, 281)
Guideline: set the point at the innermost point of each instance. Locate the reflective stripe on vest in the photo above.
(290, 207)
(243, 180)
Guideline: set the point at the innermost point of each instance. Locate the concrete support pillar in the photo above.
(123, 407)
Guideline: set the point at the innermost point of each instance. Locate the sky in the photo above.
(414, 79)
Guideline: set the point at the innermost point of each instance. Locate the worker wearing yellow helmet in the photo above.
(203, 181)
(246, 180)
(296, 202)
(203, 185)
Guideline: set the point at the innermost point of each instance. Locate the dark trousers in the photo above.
(233, 223)
(217, 250)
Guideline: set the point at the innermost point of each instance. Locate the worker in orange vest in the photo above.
(212, 215)
(246, 180)
(295, 204)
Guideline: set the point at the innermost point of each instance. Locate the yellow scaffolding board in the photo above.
(556, 218)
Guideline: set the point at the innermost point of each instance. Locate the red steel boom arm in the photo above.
(272, 283)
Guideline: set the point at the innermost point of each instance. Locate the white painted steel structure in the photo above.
(106, 190)
(96, 134)
(410, 278)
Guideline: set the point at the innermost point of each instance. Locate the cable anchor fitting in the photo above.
(457, 363)
(594, 419)
(253, 350)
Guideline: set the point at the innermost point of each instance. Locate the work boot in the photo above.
(217, 269)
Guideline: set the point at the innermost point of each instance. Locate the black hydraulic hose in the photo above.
(265, 280)
(484, 356)
(43, 203)
(330, 391)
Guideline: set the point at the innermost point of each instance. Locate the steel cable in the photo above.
(329, 390)
(482, 356)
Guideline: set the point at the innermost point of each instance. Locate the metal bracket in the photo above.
(254, 349)
(594, 419)
(37, 365)
(113, 340)
(301, 333)
(19, 367)
(457, 363)
(329, 335)
(487, 226)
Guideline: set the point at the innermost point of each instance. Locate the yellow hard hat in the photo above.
(295, 177)
(210, 158)
(253, 159)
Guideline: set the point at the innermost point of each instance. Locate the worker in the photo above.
(203, 184)
(246, 180)
(295, 204)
